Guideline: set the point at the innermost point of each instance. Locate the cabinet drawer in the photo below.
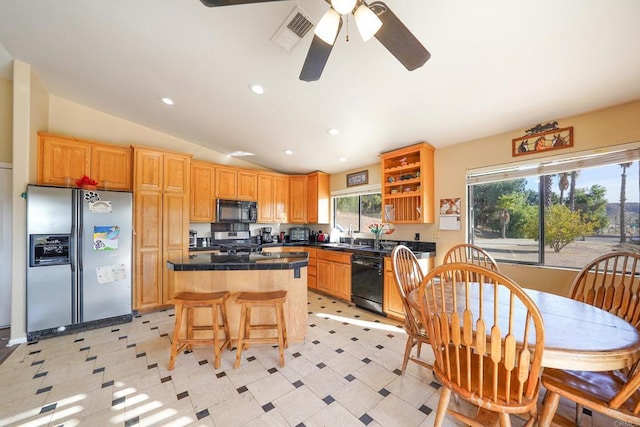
(333, 256)
(312, 270)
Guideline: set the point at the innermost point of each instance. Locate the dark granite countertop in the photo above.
(422, 252)
(252, 261)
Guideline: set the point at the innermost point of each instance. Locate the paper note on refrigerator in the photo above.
(105, 237)
(111, 273)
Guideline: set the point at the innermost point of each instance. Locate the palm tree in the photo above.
(572, 190)
(623, 198)
(563, 184)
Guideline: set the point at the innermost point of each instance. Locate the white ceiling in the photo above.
(496, 66)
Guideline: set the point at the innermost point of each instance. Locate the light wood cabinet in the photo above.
(391, 300)
(236, 184)
(298, 199)
(273, 195)
(247, 185)
(309, 199)
(334, 273)
(312, 271)
(64, 160)
(161, 221)
(318, 198)
(202, 201)
(407, 185)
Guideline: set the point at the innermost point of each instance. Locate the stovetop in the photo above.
(234, 242)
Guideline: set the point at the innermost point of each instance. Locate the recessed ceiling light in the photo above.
(333, 131)
(289, 152)
(342, 159)
(257, 89)
(167, 100)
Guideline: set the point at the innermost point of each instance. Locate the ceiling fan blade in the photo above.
(317, 57)
(215, 3)
(397, 38)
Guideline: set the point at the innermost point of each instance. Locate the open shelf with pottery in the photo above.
(407, 184)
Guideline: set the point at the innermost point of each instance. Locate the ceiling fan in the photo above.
(375, 19)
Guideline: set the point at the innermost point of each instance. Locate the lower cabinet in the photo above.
(334, 273)
(391, 300)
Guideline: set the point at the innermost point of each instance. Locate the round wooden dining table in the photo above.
(578, 336)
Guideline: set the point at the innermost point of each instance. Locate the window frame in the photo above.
(551, 165)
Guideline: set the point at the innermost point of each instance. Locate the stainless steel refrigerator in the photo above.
(80, 245)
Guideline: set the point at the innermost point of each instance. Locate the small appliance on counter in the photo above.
(265, 235)
(298, 234)
(193, 238)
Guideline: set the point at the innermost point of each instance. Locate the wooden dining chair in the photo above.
(472, 254)
(611, 393)
(476, 331)
(408, 276)
(610, 282)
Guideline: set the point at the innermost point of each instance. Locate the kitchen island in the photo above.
(254, 272)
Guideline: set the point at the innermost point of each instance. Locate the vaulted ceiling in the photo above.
(496, 66)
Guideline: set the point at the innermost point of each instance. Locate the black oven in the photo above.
(236, 211)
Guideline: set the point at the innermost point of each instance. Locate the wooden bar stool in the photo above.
(189, 301)
(247, 301)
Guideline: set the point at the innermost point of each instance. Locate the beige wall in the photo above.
(595, 130)
(71, 119)
(6, 119)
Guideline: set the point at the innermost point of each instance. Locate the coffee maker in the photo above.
(265, 235)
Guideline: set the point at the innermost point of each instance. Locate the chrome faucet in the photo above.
(350, 233)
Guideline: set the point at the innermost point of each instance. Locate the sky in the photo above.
(606, 176)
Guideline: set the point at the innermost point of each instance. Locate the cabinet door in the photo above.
(148, 250)
(298, 199)
(175, 232)
(201, 194)
(312, 269)
(226, 183)
(176, 173)
(342, 280)
(111, 166)
(247, 185)
(392, 301)
(312, 199)
(62, 161)
(281, 198)
(324, 279)
(266, 206)
(148, 169)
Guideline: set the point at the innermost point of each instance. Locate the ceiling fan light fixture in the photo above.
(327, 28)
(343, 6)
(367, 22)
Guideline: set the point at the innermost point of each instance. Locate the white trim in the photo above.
(555, 164)
(6, 165)
(360, 189)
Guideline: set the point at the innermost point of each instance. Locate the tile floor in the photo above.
(345, 374)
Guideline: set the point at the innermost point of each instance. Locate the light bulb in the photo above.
(327, 28)
(343, 6)
(367, 22)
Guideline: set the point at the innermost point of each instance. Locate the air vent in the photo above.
(293, 29)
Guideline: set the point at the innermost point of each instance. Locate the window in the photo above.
(358, 210)
(587, 206)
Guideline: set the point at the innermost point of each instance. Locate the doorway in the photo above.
(5, 244)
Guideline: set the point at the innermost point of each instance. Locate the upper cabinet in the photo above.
(63, 160)
(309, 198)
(273, 197)
(202, 203)
(407, 185)
(236, 184)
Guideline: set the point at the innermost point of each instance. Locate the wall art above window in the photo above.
(545, 140)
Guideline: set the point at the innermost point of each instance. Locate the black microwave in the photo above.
(236, 211)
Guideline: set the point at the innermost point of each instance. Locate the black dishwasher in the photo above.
(367, 282)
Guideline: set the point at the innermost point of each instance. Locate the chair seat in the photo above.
(198, 299)
(594, 390)
(262, 297)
